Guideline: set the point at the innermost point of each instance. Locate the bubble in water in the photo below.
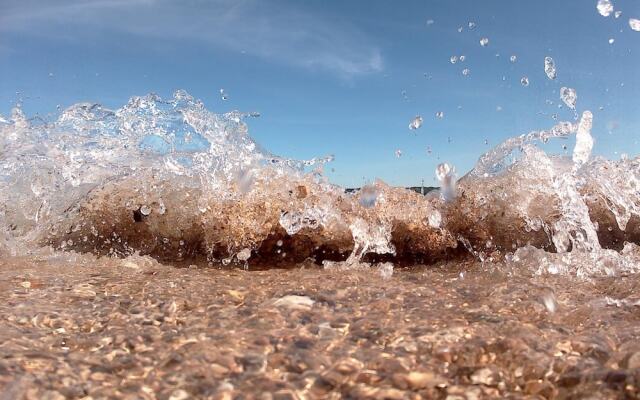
(440, 114)
(569, 97)
(368, 196)
(466, 72)
(605, 8)
(549, 301)
(398, 153)
(415, 123)
(162, 209)
(385, 270)
(550, 68)
(244, 255)
(484, 42)
(453, 59)
(435, 219)
(634, 24)
(617, 14)
(223, 95)
(513, 58)
(524, 81)
(472, 25)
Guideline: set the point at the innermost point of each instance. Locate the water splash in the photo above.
(171, 179)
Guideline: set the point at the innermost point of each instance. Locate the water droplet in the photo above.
(484, 42)
(611, 40)
(605, 8)
(466, 72)
(50, 74)
(223, 95)
(524, 81)
(453, 59)
(430, 22)
(446, 175)
(634, 24)
(398, 153)
(499, 108)
(569, 97)
(617, 14)
(440, 114)
(415, 123)
(145, 210)
(460, 29)
(472, 25)
(550, 68)
(462, 58)
(513, 58)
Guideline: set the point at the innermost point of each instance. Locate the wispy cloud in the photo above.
(275, 31)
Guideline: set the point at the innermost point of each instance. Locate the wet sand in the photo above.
(136, 329)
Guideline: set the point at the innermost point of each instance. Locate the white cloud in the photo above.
(271, 30)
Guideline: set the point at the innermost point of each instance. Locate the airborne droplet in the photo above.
(569, 97)
(605, 8)
(223, 95)
(415, 123)
(484, 42)
(453, 59)
(524, 81)
(513, 58)
(440, 114)
(634, 24)
(466, 72)
(550, 68)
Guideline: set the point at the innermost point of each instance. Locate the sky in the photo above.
(340, 77)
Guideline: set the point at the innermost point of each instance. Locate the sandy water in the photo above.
(108, 328)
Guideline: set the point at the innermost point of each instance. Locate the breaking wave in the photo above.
(172, 180)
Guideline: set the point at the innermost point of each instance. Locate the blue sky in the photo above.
(339, 77)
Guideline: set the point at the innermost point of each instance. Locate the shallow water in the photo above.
(134, 328)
